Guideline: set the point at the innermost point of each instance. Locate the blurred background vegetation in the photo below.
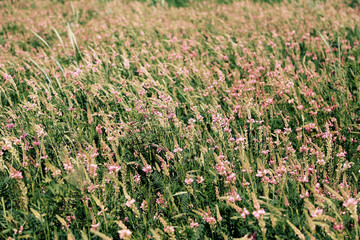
(185, 3)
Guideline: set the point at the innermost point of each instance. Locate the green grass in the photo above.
(206, 121)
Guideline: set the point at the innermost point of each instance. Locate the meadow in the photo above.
(179, 119)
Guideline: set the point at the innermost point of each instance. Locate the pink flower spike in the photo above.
(189, 180)
(124, 234)
(258, 213)
(129, 203)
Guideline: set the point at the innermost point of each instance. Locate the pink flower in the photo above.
(98, 129)
(258, 213)
(7, 77)
(137, 178)
(189, 180)
(177, 150)
(194, 224)
(129, 203)
(200, 179)
(259, 173)
(317, 212)
(69, 167)
(16, 175)
(210, 220)
(221, 168)
(338, 227)
(161, 200)
(95, 226)
(92, 169)
(169, 229)
(244, 213)
(341, 154)
(147, 169)
(76, 73)
(113, 168)
(231, 178)
(234, 196)
(143, 205)
(126, 63)
(350, 202)
(125, 233)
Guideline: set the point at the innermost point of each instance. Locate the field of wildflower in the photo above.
(173, 119)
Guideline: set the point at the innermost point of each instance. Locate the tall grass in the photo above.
(120, 120)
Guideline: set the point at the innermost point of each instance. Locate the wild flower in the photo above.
(338, 227)
(169, 229)
(10, 126)
(16, 174)
(114, 169)
(95, 226)
(350, 203)
(147, 169)
(128, 99)
(189, 180)
(92, 169)
(210, 220)
(200, 179)
(341, 154)
(69, 167)
(130, 202)
(258, 213)
(124, 234)
(234, 196)
(137, 178)
(161, 200)
(231, 178)
(193, 223)
(317, 212)
(177, 150)
(144, 205)
(221, 168)
(244, 213)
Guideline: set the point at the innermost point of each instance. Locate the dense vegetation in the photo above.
(215, 120)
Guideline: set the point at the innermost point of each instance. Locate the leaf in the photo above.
(24, 236)
(41, 69)
(246, 237)
(155, 234)
(296, 230)
(61, 220)
(198, 213)
(70, 236)
(337, 195)
(327, 229)
(83, 235)
(58, 35)
(180, 193)
(72, 38)
(36, 214)
(41, 39)
(101, 235)
(328, 46)
(98, 202)
(179, 215)
(275, 209)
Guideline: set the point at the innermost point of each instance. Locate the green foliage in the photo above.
(179, 119)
